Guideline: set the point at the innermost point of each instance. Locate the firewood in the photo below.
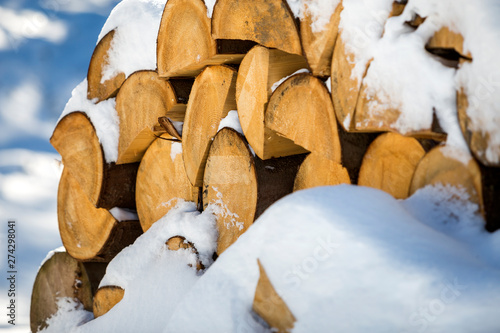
(398, 7)
(241, 185)
(268, 304)
(143, 98)
(162, 181)
(98, 62)
(268, 22)
(301, 111)
(61, 276)
(212, 97)
(447, 40)
(318, 46)
(259, 70)
(389, 164)
(185, 44)
(106, 185)
(319, 171)
(106, 298)
(178, 242)
(89, 233)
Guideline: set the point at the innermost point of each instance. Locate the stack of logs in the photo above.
(295, 137)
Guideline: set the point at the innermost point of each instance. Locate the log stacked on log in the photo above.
(296, 134)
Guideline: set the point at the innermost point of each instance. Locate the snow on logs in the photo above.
(211, 99)
(162, 181)
(241, 186)
(106, 185)
(89, 233)
(62, 278)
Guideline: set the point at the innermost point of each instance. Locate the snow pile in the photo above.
(134, 44)
(70, 313)
(231, 121)
(123, 214)
(103, 117)
(319, 10)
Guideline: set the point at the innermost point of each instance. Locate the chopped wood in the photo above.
(398, 7)
(240, 186)
(259, 70)
(319, 171)
(301, 111)
(267, 22)
(167, 124)
(318, 46)
(61, 276)
(178, 242)
(161, 182)
(106, 185)
(389, 164)
(143, 98)
(212, 97)
(89, 233)
(445, 39)
(106, 298)
(98, 62)
(268, 304)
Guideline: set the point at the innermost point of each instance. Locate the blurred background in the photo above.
(45, 49)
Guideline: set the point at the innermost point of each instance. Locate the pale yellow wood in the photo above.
(268, 304)
(318, 46)
(397, 8)
(230, 184)
(142, 99)
(389, 164)
(161, 182)
(106, 298)
(445, 38)
(76, 141)
(211, 98)
(319, 171)
(301, 110)
(60, 276)
(267, 22)
(98, 63)
(259, 70)
(438, 168)
(184, 38)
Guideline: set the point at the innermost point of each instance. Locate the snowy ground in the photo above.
(45, 47)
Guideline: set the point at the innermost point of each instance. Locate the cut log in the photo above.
(446, 41)
(98, 62)
(301, 111)
(318, 45)
(106, 185)
(479, 141)
(185, 45)
(59, 277)
(240, 186)
(389, 164)
(438, 168)
(143, 98)
(162, 182)
(212, 97)
(89, 233)
(259, 70)
(106, 298)
(268, 22)
(268, 304)
(178, 242)
(319, 171)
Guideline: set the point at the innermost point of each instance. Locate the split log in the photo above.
(318, 45)
(106, 298)
(240, 186)
(106, 185)
(398, 6)
(448, 43)
(162, 181)
(268, 22)
(319, 171)
(89, 233)
(259, 70)
(143, 98)
(61, 276)
(185, 44)
(268, 304)
(98, 62)
(212, 97)
(301, 111)
(389, 164)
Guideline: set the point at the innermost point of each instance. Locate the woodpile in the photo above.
(251, 57)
